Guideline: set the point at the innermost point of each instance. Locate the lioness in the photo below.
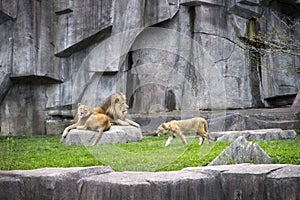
(179, 127)
(116, 108)
(88, 118)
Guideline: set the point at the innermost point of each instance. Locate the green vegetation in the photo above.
(150, 154)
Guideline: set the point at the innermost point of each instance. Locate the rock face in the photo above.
(242, 181)
(116, 134)
(296, 102)
(242, 151)
(164, 55)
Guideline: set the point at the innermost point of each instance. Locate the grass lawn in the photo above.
(31, 152)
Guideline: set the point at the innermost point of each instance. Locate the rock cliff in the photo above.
(163, 54)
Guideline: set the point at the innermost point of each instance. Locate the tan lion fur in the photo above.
(180, 127)
(89, 118)
(116, 108)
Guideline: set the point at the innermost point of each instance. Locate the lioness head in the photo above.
(84, 110)
(162, 129)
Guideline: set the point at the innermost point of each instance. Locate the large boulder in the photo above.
(116, 134)
(242, 151)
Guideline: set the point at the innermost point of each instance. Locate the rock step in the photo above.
(241, 181)
(260, 134)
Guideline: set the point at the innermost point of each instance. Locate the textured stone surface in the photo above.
(241, 181)
(247, 182)
(296, 102)
(281, 185)
(242, 151)
(260, 134)
(116, 134)
(58, 53)
(11, 188)
(149, 185)
(45, 183)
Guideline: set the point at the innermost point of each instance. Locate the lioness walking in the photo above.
(180, 127)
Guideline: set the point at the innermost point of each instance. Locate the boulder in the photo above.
(116, 134)
(242, 151)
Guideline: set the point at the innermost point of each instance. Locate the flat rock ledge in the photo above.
(259, 134)
(240, 181)
(116, 134)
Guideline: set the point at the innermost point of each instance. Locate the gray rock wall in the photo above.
(242, 181)
(164, 55)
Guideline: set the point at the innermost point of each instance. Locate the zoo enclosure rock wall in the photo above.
(242, 181)
(59, 52)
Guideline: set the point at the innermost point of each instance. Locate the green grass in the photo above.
(150, 154)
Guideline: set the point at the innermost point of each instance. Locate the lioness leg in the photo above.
(170, 139)
(204, 136)
(183, 139)
(201, 140)
(100, 131)
(98, 136)
(66, 131)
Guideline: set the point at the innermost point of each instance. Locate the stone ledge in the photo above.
(260, 134)
(116, 134)
(45, 183)
(241, 181)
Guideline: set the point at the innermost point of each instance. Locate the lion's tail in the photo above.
(206, 126)
(206, 130)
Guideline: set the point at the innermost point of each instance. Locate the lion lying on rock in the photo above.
(116, 108)
(89, 118)
(180, 127)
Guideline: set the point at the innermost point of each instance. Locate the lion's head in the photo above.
(84, 110)
(119, 106)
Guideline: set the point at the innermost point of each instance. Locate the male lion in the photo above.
(116, 108)
(88, 118)
(179, 127)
